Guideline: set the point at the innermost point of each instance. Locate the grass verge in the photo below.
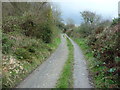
(97, 72)
(25, 55)
(66, 77)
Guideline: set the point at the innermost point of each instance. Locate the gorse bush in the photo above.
(32, 49)
(105, 42)
(29, 22)
(29, 28)
(6, 44)
(10, 24)
(115, 21)
(45, 32)
(22, 54)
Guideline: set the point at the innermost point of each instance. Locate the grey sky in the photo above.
(108, 9)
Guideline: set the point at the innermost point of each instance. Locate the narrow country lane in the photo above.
(47, 74)
(80, 73)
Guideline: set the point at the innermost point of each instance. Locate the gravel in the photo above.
(80, 73)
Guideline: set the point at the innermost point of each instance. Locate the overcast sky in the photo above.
(72, 8)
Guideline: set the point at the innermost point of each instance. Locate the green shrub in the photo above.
(84, 30)
(29, 27)
(6, 44)
(40, 30)
(44, 31)
(32, 49)
(12, 24)
(115, 21)
(22, 54)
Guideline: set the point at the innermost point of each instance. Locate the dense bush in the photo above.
(29, 28)
(115, 21)
(104, 41)
(29, 22)
(6, 44)
(105, 46)
(22, 54)
(45, 32)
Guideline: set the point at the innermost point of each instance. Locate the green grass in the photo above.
(97, 71)
(66, 77)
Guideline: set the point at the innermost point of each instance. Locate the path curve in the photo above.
(47, 74)
(80, 73)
